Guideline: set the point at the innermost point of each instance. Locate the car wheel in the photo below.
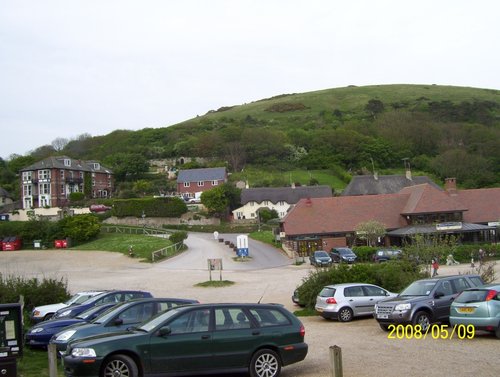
(265, 363)
(384, 327)
(497, 332)
(345, 315)
(119, 366)
(423, 319)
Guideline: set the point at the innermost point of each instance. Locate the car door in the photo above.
(188, 346)
(234, 338)
(444, 295)
(373, 295)
(358, 302)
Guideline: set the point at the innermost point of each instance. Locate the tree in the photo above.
(215, 201)
(374, 107)
(127, 165)
(59, 143)
(370, 231)
(80, 228)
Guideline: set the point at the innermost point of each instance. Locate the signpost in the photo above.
(215, 264)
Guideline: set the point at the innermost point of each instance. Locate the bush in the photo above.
(151, 207)
(177, 237)
(364, 253)
(36, 292)
(393, 276)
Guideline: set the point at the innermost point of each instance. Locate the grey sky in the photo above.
(93, 66)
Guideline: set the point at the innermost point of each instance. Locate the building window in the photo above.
(62, 174)
(67, 162)
(187, 184)
(71, 175)
(27, 190)
(45, 189)
(282, 214)
(27, 175)
(281, 203)
(62, 189)
(251, 204)
(44, 174)
(266, 202)
(215, 183)
(201, 183)
(93, 182)
(97, 166)
(252, 214)
(81, 174)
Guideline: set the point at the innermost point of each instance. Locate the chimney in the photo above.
(408, 174)
(450, 185)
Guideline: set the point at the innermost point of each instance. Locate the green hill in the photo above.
(443, 131)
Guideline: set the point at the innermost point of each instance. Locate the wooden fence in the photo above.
(164, 252)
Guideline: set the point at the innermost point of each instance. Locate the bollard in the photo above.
(52, 353)
(336, 361)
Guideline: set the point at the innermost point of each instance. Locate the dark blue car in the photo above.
(40, 334)
(108, 297)
(119, 318)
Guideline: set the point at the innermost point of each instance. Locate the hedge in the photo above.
(150, 207)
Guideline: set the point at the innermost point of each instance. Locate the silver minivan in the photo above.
(349, 300)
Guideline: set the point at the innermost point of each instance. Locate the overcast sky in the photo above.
(70, 67)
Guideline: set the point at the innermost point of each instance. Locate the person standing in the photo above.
(435, 267)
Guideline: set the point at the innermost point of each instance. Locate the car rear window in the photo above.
(327, 292)
(476, 280)
(270, 317)
(474, 295)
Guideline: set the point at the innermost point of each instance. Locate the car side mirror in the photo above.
(118, 321)
(165, 330)
(438, 294)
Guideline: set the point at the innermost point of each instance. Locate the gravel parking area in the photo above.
(366, 349)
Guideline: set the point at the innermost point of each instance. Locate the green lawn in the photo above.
(142, 245)
(35, 363)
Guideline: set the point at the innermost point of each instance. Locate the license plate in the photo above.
(465, 310)
(382, 316)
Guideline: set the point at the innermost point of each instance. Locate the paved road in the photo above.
(203, 246)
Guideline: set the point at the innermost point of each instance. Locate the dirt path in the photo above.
(366, 349)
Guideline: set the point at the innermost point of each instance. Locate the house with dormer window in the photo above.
(49, 182)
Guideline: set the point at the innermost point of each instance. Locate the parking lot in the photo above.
(366, 349)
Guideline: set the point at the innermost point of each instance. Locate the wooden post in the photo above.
(52, 353)
(336, 361)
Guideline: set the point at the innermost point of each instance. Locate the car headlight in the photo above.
(36, 330)
(83, 352)
(403, 307)
(64, 336)
(64, 313)
(36, 313)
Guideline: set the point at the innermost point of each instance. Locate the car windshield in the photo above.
(321, 254)
(473, 295)
(345, 252)
(110, 313)
(419, 288)
(89, 313)
(77, 299)
(327, 292)
(157, 320)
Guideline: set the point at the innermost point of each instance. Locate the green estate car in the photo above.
(192, 340)
(479, 307)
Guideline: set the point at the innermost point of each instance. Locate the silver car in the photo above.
(346, 301)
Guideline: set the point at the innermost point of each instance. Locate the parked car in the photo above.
(320, 258)
(424, 301)
(39, 335)
(194, 340)
(343, 254)
(296, 299)
(120, 317)
(45, 312)
(384, 255)
(349, 300)
(479, 307)
(113, 296)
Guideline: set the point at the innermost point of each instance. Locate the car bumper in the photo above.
(397, 317)
(293, 353)
(487, 323)
(81, 367)
(326, 313)
(37, 341)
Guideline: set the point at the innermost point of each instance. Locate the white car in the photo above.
(45, 312)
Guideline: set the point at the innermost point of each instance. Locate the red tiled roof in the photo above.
(343, 214)
(483, 204)
(427, 199)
